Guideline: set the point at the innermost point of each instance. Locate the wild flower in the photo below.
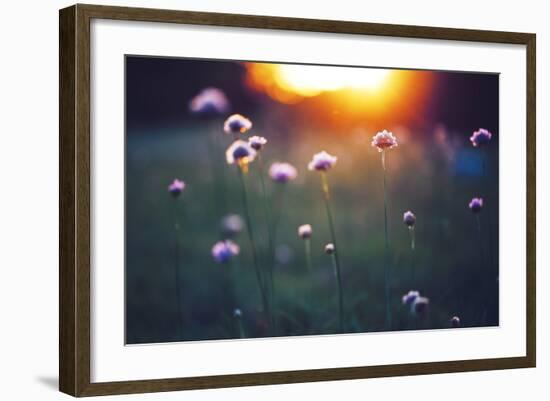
(282, 172)
(384, 140)
(241, 153)
(236, 124)
(305, 231)
(455, 321)
(231, 225)
(224, 251)
(209, 101)
(329, 249)
(417, 303)
(410, 297)
(238, 315)
(480, 137)
(409, 218)
(176, 187)
(476, 204)
(322, 161)
(257, 142)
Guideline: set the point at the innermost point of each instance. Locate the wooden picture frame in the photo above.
(74, 206)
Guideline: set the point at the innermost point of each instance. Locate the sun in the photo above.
(290, 83)
(313, 80)
(381, 95)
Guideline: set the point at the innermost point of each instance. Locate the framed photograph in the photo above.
(250, 200)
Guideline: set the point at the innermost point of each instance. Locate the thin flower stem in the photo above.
(334, 258)
(253, 244)
(177, 268)
(240, 327)
(218, 172)
(413, 245)
(307, 246)
(326, 197)
(276, 215)
(386, 248)
(270, 241)
(229, 282)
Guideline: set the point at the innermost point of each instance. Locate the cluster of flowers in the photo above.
(243, 152)
(417, 303)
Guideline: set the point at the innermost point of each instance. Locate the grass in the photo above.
(447, 266)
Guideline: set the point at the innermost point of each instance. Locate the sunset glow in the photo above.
(312, 80)
(385, 95)
(289, 83)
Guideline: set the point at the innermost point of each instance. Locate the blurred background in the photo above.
(302, 110)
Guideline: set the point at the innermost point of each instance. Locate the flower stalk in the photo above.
(411, 234)
(336, 261)
(238, 316)
(175, 189)
(386, 248)
(242, 169)
(413, 272)
(383, 141)
(270, 239)
(177, 268)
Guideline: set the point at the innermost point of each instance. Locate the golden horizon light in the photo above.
(383, 93)
(313, 80)
(290, 83)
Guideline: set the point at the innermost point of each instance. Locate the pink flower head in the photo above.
(384, 140)
(176, 187)
(455, 321)
(224, 251)
(410, 297)
(209, 101)
(476, 204)
(257, 142)
(322, 161)
(305, 231)
(329, 249)
(409, 218)
(240, 152)
(480, 137)
(282, 172)
(236, 124)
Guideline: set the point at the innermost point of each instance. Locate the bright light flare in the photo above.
(290, 83)
(381, 95)
(312, 80)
